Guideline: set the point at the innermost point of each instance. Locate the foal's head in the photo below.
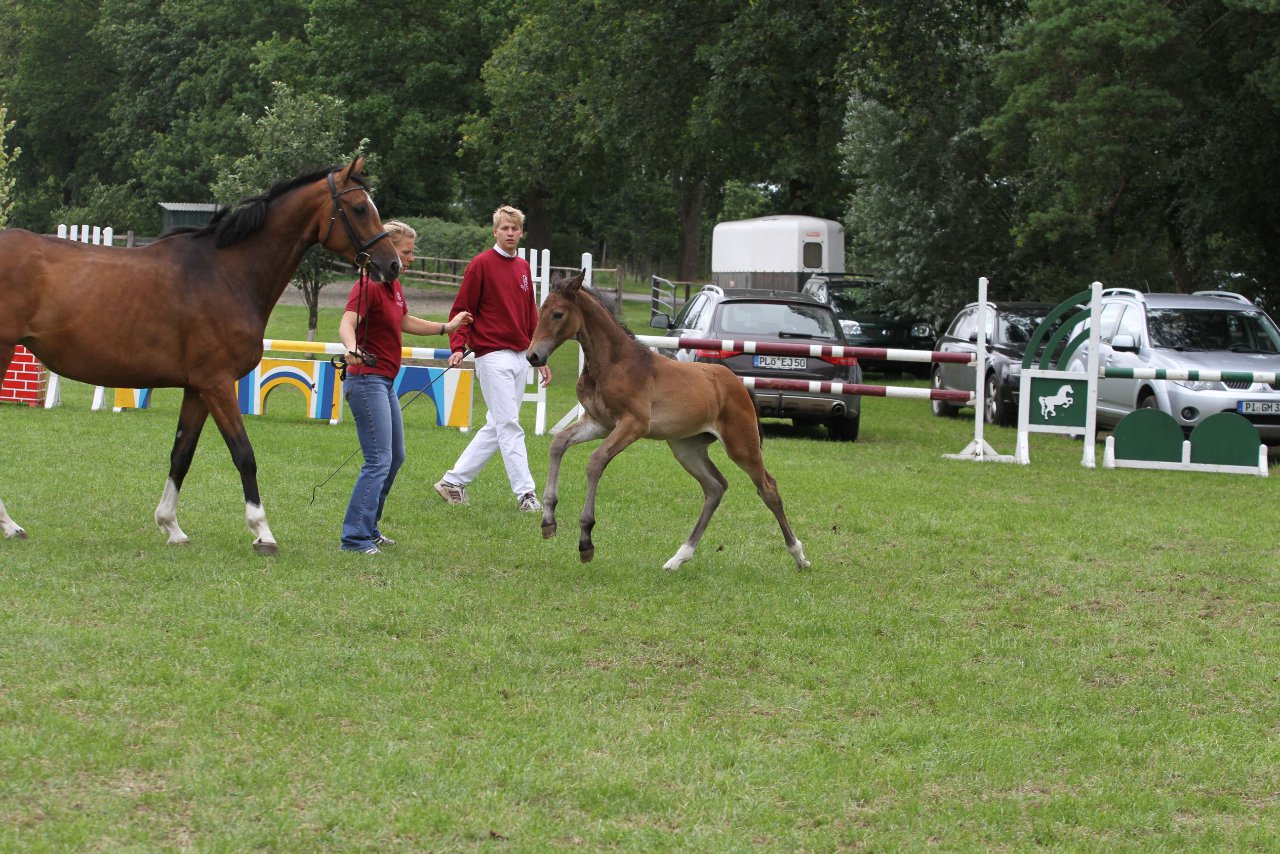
(559, 320)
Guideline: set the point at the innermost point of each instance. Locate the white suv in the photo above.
(1207, 331)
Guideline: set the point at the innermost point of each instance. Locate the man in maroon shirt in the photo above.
(497, 289)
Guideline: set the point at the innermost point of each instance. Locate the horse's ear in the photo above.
(356, 167)
(572, 285)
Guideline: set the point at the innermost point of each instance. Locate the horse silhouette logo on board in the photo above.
(1049, 405)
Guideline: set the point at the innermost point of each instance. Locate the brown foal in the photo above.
(628, 392)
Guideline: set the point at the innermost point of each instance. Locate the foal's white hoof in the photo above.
(679, 559)
(797, 552)
(265, 548)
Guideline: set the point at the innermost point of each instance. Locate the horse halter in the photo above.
(362, 249)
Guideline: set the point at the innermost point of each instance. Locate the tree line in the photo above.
(1040, 143)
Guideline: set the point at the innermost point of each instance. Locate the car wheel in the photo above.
(843, 429)
(1148, 401)
(941, 408)
(996, 411)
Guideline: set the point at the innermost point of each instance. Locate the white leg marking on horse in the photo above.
(167, 515)
(256, 518)
(797, 552)
(681, 556)
(11, 528)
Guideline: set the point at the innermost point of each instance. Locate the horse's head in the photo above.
(559, 320)
(353, 228)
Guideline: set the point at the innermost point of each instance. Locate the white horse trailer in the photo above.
(778, 252)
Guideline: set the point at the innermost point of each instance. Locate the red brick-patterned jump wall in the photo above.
(26, 381)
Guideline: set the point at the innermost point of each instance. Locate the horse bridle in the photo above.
(362, 249)
(361, 261)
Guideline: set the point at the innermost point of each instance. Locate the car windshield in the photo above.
(785, 320)
(846, 300)
(1018, 328)
(1206, 329)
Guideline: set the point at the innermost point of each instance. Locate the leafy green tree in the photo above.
(7, 158)
(409, 74)
(1139, 134)
(1092, 127)
(57, 83)
(775, 99)
(186, 72)
(295, 134)
(532, 144)
(636, 130)
(926, 213)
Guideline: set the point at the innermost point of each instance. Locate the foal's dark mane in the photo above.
(232, 224)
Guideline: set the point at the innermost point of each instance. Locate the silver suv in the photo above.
(1207, 330)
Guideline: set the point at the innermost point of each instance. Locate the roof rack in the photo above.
(1123, 292)
(1231, 295)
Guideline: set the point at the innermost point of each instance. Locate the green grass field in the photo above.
(983, 656)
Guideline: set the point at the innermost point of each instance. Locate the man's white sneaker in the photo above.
(452, 492)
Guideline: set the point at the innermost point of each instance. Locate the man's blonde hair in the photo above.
(397, 229)
(508, 212)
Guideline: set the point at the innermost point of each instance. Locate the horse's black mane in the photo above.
(233, 223)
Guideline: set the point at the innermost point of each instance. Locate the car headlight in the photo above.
(1197, 385)
(851, 327)
(922, 330)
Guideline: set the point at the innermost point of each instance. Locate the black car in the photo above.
(742, 314)
(1009, 328)
(862, 327)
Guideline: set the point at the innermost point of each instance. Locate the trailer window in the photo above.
(812, 255)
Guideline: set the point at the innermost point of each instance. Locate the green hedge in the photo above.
(439, 238)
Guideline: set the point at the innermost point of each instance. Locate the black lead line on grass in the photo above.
(403, 407)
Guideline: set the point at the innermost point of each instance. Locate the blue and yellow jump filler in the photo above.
(317, 380)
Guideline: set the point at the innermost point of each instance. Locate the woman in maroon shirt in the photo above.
(371, 331)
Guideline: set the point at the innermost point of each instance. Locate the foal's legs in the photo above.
(742, 443)
(692, 454)
(222, 404)
(623, 434)
(11, 528)
(190, 423)
(582, 430)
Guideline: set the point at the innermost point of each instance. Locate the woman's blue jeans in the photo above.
(376, 411)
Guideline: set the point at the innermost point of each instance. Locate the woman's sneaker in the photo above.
(529, 503)
(452, 492)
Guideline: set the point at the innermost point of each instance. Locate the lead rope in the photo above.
(340, 362)
(403, 407)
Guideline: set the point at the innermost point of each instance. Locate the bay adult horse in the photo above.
(187, 311)
(628, 392)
